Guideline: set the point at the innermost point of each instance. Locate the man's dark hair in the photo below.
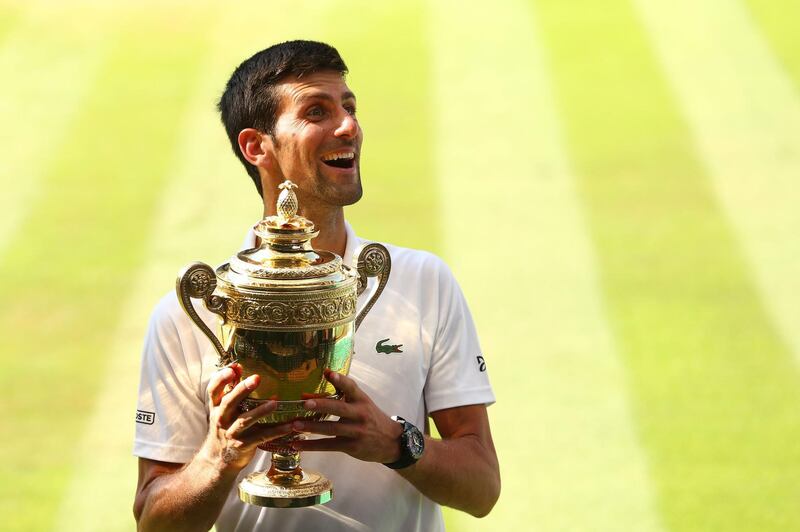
(250, 99)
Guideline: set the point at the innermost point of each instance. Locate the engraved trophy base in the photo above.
(311, 489)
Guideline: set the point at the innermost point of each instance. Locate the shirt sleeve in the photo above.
(457, 373)
(171, 415)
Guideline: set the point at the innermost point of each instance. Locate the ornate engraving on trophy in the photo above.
(325, 310)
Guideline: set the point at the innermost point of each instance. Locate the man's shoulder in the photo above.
(168, 315)
(410, 261)
(168, 309)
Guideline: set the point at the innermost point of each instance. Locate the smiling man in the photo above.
(289, 114)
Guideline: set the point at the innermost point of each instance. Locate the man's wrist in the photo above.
(222, 463)
(396, 447)
(411, 442)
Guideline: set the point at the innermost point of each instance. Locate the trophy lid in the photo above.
(284, 258)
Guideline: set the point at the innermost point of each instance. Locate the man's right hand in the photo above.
(190, 496)
(233, 436)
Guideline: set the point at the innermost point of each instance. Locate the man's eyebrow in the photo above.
(347, 95)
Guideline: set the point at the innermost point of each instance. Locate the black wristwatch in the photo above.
(412, 444)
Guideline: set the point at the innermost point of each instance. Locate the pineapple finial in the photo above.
(287, 201)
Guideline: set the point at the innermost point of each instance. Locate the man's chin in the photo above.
(346, 195)
(354, 197)
(340, 188)
(339, 193)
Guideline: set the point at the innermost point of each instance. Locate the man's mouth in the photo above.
(340, 159)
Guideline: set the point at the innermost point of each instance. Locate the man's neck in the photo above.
(330, 224)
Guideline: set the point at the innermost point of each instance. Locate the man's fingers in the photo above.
(323, 444)
(332, 407)
(344, 384)
(249, 418)
(262, 433)
(230, 401)
(306, 395)
(326, 428)
(218, 381)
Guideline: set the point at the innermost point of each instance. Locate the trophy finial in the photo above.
(287, 201)
(286, 224)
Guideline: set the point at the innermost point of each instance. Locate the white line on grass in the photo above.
(516, 237)
(745, 117)
(47, 69)
(205, 210)
(192, 218)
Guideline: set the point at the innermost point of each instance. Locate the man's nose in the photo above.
(348, 127)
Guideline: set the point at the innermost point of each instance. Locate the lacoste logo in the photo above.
(481, 364)
(145, 418)
(387, 349)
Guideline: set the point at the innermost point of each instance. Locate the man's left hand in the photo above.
(363, 431)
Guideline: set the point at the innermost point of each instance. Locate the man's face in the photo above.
(317, 139)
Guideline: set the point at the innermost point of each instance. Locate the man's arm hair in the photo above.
(460, 470)
(178, 497)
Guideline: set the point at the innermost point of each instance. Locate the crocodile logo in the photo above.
(388, 349)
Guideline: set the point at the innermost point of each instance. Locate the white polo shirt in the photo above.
(440, 366)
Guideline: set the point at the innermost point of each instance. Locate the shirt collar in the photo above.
(352, 244)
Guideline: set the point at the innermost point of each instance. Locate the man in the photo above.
(289, 114)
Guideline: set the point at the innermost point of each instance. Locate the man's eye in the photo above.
(350, 109)
(315, 112)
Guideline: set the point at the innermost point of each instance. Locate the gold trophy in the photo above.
(288, 314)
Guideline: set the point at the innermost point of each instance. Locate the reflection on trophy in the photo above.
(288, 314)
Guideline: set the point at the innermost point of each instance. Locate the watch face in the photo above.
(416, 443)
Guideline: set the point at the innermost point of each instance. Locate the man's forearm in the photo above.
(174, 497)
(189, 499)
(460, 473)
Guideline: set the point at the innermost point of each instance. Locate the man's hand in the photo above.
(233, 436)
(190, 496)
(460, 470)
(363, 430)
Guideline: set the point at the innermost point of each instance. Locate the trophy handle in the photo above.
(373, 261)
(198, 281)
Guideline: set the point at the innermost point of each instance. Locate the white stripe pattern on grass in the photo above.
(516, 237)
(204, 212)
(744, 114)
(47, 68)
(192, 220)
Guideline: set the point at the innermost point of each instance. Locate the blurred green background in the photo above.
(615, 184)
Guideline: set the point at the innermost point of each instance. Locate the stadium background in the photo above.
(614, 184)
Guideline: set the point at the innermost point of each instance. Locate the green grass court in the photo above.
(614, 183)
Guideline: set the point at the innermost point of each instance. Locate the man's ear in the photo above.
(256, 147)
